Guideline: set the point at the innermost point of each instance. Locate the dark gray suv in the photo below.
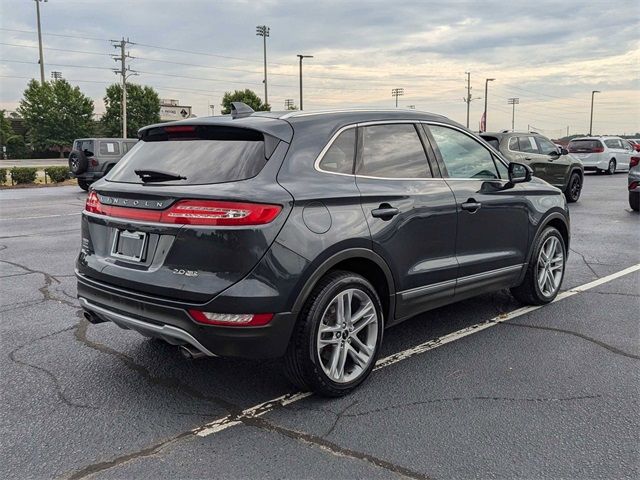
(305, 235)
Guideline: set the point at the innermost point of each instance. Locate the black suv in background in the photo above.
(549, 162)
(305, 235)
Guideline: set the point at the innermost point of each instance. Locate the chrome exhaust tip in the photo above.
(191, 353)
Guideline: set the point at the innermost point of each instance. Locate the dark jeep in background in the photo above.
(549, 162)
(92, 158)
(304, 235)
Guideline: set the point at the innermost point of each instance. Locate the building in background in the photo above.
(172, 110)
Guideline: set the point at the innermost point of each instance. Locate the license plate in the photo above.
(129, 245)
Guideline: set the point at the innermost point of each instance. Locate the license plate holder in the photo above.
(129, 245)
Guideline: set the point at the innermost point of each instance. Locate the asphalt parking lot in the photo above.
(534, 393)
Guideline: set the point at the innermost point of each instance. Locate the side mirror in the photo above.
(519, 172)
(564, 151)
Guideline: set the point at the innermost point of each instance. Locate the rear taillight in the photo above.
(633, 162)
(193, 212)
(633, 185)
(231, 319)
(597, 150)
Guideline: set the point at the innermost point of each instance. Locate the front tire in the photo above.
(634, 200)
(612, 167)
(337, 338)
(574, 188)
(545, 271)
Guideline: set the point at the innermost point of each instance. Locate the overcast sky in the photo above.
(550, 55)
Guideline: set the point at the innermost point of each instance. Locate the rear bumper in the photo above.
(89, 176)
(173, 324)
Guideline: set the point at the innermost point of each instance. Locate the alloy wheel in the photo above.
(612, 167)
(550, 266)
(347, 335)
(576, 187)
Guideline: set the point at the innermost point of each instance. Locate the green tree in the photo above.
(143, 108)
(55, 114)
(245, 96)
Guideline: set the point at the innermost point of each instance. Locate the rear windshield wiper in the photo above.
(157, 176)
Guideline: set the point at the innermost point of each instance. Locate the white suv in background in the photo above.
(602, 154)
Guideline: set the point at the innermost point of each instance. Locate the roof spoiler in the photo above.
(240, 110)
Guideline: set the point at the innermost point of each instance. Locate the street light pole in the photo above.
(486, 93)
(301, 57)
(513, 101)
(397, 92)
(263, 31)
(40, 41)
(593, 92)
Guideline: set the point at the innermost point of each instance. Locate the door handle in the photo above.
(385, 212)
(528, 158)
(471, 206)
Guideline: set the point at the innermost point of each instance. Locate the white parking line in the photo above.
(42, 216)
(266, 407)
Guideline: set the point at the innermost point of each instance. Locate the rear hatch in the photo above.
(190, 210)
(587, 150)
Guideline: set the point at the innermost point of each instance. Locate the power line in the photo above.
(51, 48)
(84, 37)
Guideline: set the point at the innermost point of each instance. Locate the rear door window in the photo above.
(126, 146)
(109, 148)
(611, 143)
(392, 151)
(202, 154)
(340, 156)
(528, 144)
(463, 156)
(513, 144)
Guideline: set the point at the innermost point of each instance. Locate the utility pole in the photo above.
(397, 92)
(468, 99)
(56, 75)
(263, 31)
(126, 72)
(288, 104)
(567, 130)
(40, 41)
(513, 101)
(486, 93)
(591, 120)
(301, 57)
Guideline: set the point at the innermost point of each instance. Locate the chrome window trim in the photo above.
(481, 141)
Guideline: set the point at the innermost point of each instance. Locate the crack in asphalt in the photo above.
(333, 448)
(167, 382)
(585, 262)
(58, 387)
(49, 280)
(600, 343)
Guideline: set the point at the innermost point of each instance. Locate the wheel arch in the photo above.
(554, 219)
(362, 261)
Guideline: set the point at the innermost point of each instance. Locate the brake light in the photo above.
(597, 150)
(633, 185)
(192, 212)
(93, 204)
(180, 128)
(231, 319)
(633, 162)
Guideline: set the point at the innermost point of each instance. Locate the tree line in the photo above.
(56, 113)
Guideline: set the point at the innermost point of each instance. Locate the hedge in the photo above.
(22, 175)
(57, 174)
(3, 176)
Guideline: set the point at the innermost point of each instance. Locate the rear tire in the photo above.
(329, 353)
(574, 188)
(634, 200)
(612, 167)
(545, 271)
(83, 184)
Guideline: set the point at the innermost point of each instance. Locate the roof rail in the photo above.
(241, 110)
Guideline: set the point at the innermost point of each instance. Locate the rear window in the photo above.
(576, 146)
(202, 154)
(493, 141)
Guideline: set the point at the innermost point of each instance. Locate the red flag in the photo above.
(483, 122)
